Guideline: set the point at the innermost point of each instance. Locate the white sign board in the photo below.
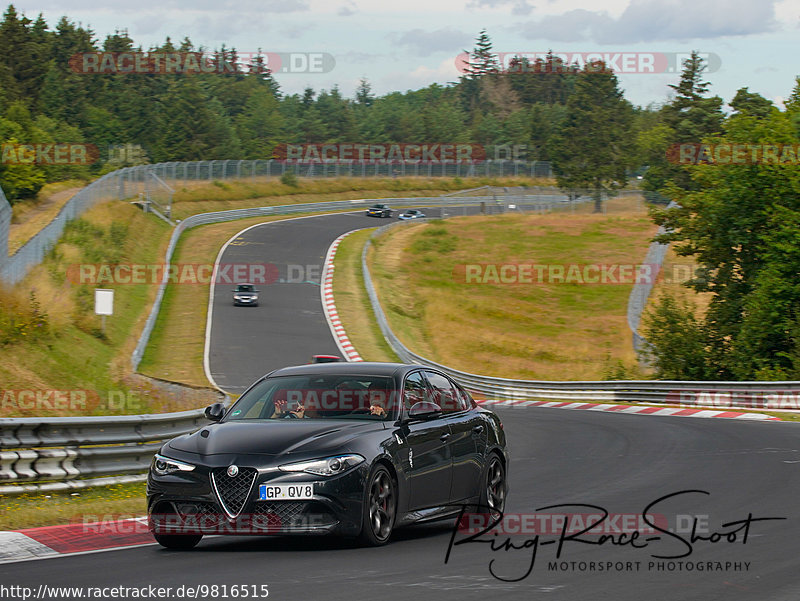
(103, 301)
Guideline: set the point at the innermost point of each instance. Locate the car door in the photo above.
(426, 463)
(466, 434)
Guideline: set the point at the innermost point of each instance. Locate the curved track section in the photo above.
(288, 326)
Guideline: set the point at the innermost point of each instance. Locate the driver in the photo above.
(377, 399)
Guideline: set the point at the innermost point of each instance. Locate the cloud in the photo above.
(425, 43)
(657, 20)
(518, 7)
(419, 76)
(347, 10)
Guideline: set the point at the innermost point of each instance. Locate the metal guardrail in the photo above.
(69, 449)
(641, 290)
(743, 395)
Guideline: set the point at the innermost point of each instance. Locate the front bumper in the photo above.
(186, 503)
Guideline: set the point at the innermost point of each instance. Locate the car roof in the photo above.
(361, 368)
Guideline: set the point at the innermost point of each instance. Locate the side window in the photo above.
(444, 393)
(414, 389)
(464, 398)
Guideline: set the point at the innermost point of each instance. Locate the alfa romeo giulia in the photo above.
(354, 449)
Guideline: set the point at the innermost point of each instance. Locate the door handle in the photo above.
(477, 429)
(444, 436)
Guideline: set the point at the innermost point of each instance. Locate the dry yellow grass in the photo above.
(551, 331)
(29, 217)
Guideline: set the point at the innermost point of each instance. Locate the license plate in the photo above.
(286, 492)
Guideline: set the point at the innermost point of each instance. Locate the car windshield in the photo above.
(377, 206)
(245, 288)
(343, 396)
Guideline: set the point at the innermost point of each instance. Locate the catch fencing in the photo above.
(155, 184)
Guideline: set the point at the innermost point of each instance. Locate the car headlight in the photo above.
(330, 466)
(164, 465)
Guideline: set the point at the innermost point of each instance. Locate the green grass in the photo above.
(78, 354)
(101, 503)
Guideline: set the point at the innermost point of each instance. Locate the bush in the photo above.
(290, 179)
(20, 320)
(676, 341)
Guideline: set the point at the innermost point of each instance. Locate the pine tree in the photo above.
(592, 148)
(364, 95)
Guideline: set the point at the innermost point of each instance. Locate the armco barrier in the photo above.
(75, 451)
(742, 395)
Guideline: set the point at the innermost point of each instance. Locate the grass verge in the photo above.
(90, 504)
(548, 331)
(203, 197)
(177, 343)
(71, 351)
(352, 302)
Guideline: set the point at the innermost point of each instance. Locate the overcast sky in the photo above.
(413, 43)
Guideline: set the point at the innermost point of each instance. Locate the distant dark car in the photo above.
(411, 214)
(245, 294)
(379, 211)
(354, 449)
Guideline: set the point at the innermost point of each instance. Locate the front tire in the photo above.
(380, 506)
(182, 542)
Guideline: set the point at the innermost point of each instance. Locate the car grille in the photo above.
(198, 510)
(232, 492)
(280, 515)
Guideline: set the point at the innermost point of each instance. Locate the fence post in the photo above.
(5, 225)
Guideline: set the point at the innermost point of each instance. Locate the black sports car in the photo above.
(354, 449)
(379, 210)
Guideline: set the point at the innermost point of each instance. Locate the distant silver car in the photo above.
(245, 295)
(411, 214)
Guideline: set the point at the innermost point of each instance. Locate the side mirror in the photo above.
(215, 412)
(424, 410)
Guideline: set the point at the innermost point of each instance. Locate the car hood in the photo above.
(271, 437)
